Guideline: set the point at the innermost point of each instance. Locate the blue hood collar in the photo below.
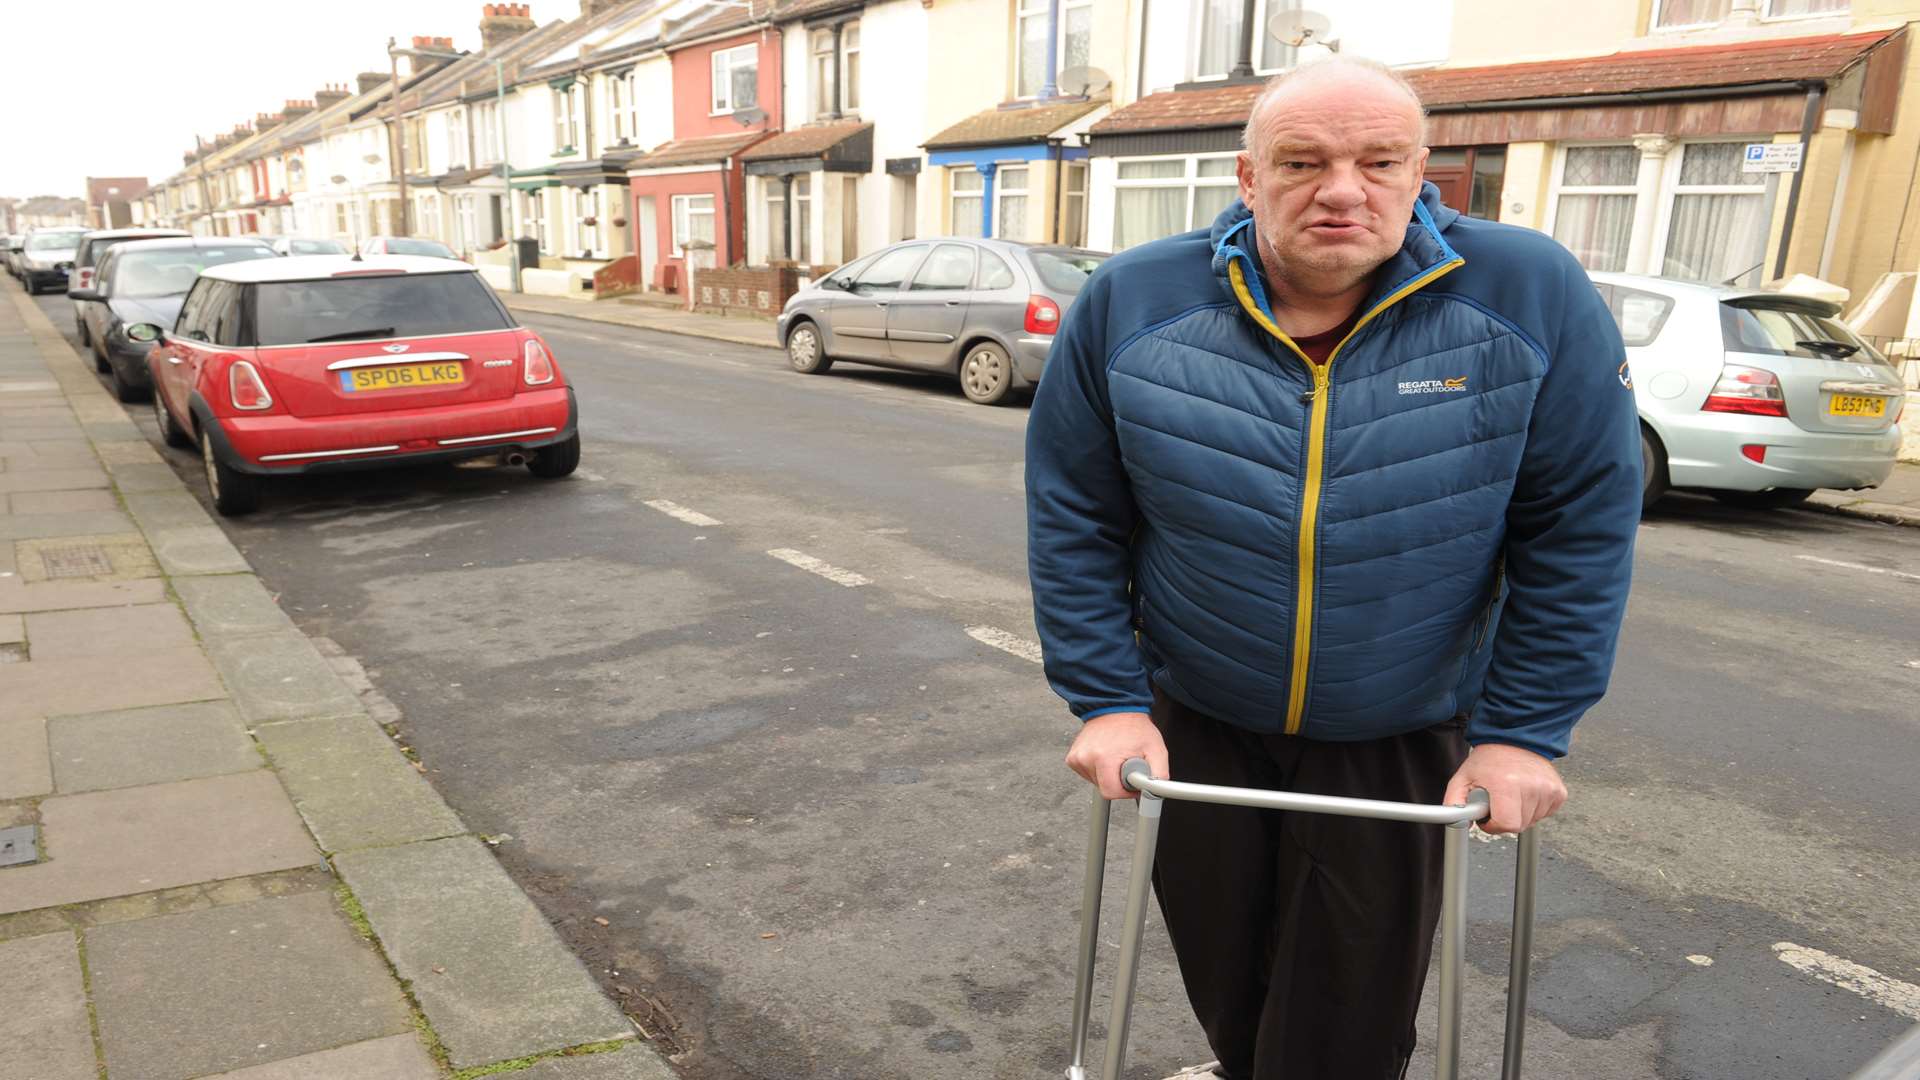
(1423, 249)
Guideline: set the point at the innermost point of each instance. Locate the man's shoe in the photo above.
(1209, 1071)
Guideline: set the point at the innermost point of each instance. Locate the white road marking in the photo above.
(1903, 998)
(1859, 566)
(1005, 642)
(675, 510)
(815, 566)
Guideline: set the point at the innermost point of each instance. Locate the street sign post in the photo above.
(1772, 157)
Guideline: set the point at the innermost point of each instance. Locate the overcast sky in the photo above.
(119, 87)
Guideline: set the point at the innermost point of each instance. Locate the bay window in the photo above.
(968, 189)
(1010, 202)
(1594, 204)
(1158, 197)
(1073, 208)
(1716, 227)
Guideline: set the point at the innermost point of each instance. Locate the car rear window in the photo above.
(53, 241)
(367, 307)
(430, 248)
(1065, 271)
(170, 271)
(1788, 330)
(316, 247)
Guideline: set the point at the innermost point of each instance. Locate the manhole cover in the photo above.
(76, 560)
(17, 845)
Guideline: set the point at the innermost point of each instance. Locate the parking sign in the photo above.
(1771, 158)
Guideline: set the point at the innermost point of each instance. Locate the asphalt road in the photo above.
(826, 821)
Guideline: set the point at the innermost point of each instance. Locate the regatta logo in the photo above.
(1435, 386)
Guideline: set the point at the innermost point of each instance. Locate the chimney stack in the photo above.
(501, 23)
(590, 8)
(371, 80)
(263, 121)
(295, 109)
(330, 95)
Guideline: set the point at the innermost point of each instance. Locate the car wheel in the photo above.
(1777, 499)
(80, 328)
(1653, 470)
(986, 375)
(233, 492)
(170, 432)
(556, 461)
(804, 351)
(123, 389)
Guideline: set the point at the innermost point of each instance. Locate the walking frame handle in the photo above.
(1138, 776)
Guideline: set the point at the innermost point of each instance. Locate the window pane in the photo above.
(1013, 178)
(1076, 179)
(1208, 202)
(1143, 214)
(1489, 180)
(1033, 55)
(1219, 36)
(1079, 37)
(966, 215)
(968, 178)
(1600, 166)
(1714, 163)
(1153, 170)
(850, 70)
(745, 78)
(1639, 314)
(1275, 54)
(1012, 222)
(994, 272)
(1596, 228)
(1689, 12)
(1715, 237)
(949, 267)
(776, 221)
(1224, 166)
(1780, 8)
(890, 270)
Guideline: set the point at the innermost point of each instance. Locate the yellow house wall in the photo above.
(1877, 232)
(1523, 192)
(1502, 31)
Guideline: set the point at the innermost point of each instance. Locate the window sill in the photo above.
(564, 151)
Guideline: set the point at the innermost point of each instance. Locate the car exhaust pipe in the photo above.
(516, 457)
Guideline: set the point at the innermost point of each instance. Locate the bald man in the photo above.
(1335, 496)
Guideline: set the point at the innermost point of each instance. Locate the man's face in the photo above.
(1338, 167)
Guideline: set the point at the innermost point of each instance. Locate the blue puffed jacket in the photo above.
(1437, 522)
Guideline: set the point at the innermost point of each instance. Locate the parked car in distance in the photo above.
(86, 259)
(11, 252)
(322, 363)
(300, 245)
(145, 281)
(47, 256)
(1755, 397)
(984, 311)
(406, 245)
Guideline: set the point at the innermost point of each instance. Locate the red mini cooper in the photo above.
(324, 363)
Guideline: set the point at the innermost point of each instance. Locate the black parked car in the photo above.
(145, 281)
(86, 259)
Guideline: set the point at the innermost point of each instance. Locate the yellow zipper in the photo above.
(1316, 462)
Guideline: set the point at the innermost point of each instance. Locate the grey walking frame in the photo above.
(1453, 908)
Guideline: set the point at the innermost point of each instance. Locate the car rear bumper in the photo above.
(1705, 453)
(41, 279)
(1030, 357)
(291, 445)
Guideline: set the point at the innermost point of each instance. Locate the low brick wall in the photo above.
(759, 291)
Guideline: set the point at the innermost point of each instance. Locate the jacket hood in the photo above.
(1424, 248)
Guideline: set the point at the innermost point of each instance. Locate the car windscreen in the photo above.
(97, 247)
(1064, 270)
(1790, 330)
(402, 246)
(366, 307)
(169, 271)
(53, 241)
(316, 247)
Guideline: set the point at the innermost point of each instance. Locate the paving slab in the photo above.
(115, 843)
(196, 549)
(111, 430)
(78, 558)
(61, 502)
(221, 605)
(18, 596)
(126, 452)
(166, 509)
(52, 479)
(155, 676)
(147, 476)
(59, 635)
(637, 1062)
(280, 677)
(131, 747)
(353, 785)
(396, 1057)
(44, 1032)
(13, 629)
(231, 987)
(73, 523)
(25, 771)
(492, 976)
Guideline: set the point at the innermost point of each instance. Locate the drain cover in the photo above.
(76, 560)
(17, 845)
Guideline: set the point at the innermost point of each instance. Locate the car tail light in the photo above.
(537, 365)
(83, 277)
(1754, 452)
(1749, 390)
(248, 391)
(1043, 315)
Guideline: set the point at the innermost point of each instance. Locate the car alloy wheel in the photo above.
(211, 466)
(985, 375)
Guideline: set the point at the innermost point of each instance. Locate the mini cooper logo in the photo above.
(393, 348)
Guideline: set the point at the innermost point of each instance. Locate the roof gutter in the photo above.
(1636, 97)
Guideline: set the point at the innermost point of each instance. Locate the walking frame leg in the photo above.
(1096, 869)
(1520, 964)
(1453, 940)
(1139, 881)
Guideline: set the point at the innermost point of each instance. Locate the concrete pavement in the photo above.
(218, 862)
(1896, 502)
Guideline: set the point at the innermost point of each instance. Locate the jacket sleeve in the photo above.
(1080, 522)
(1570, 533)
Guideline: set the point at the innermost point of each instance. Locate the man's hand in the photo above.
(1523, 788)
(1106, 742)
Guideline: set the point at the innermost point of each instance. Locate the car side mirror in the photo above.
(145, 332)
(84, 294)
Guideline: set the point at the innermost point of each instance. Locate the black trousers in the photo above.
(1303, 939)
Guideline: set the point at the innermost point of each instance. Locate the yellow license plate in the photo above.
(1856, 405)
(401, 377)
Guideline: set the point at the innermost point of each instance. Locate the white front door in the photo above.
(649, 222)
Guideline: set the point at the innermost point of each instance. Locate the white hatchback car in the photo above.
(1755, 397)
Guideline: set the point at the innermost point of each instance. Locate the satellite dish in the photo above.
(748, 117)
(1298, 28)
(1082, 81)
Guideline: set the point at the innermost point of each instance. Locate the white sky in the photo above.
(119, 87)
